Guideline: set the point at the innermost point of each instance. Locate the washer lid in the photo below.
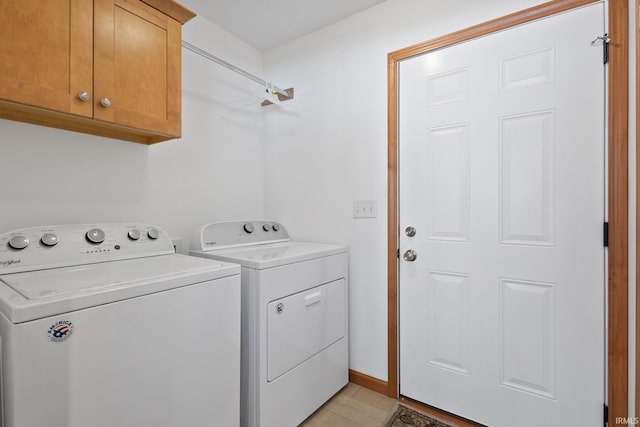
(273, 255)
(41, 293)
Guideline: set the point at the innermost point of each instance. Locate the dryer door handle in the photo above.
(312, 298)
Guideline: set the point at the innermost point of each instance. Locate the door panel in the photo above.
(501, 172)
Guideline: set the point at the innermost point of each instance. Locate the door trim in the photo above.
(637, 349)
(617, 140)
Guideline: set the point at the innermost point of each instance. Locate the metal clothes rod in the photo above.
(235, 69)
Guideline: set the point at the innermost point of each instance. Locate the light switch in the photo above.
(365, 209)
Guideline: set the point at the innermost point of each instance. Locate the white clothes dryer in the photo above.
(103, 325)
(295, 335)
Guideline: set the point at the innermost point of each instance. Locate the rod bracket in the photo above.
(280, 96)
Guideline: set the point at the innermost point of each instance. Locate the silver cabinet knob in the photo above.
(410, 231)
(105, 102)
(410, 255)
(84, 96)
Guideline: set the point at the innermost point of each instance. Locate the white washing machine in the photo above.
(103, 325)
(295, 339)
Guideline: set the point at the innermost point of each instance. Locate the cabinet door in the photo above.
(46, 53)
(137, 62)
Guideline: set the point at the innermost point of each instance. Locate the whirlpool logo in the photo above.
(9, 262)
(60, 330)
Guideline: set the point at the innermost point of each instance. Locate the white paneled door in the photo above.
(502, 177)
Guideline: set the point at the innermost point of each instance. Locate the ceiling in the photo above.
(265, 24)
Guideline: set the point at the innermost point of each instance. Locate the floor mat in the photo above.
(404, 417)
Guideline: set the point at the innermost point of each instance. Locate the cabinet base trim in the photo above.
(39, 116)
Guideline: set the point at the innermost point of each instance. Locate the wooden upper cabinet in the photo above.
(105, 67)
(137, 66)
(46, 53)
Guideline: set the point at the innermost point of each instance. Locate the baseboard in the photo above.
(369, 382)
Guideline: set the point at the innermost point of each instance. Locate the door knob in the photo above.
(410, 231)
(105, 102)
(410, 255)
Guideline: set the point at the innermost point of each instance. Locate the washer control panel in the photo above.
(37, 248)
(228, 234)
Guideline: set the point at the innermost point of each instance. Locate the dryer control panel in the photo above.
(230, 234)
(55, 246)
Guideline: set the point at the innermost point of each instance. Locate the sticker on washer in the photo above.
(60, 330)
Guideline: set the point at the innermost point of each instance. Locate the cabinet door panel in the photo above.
(47, 53)
(137, 66)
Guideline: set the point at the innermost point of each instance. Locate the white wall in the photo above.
(214, 172)
(328, 146)
(322, 150)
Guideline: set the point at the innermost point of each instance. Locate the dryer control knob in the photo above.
(19, 242)
(153, 233)
(49, 239)
(248, 227)
(275, 227)
(95, 235)
(266, 227)
(134, 234)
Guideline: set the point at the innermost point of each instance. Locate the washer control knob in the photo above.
(134, 234)
(49, 239)
(248, 227)
(95, 235)
(276, 227)
(19, 242)
(153, 233)
(266, 227)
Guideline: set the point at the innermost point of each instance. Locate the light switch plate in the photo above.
(365, 209)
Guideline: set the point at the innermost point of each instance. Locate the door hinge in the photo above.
(605, 234)
(605, 415)
(604, 40)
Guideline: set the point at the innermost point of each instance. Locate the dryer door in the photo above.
(303, 324)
